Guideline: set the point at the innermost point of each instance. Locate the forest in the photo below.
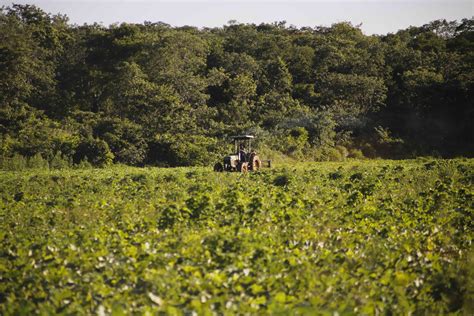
(153, 94)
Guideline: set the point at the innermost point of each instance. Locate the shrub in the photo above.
(60, 161)
(15, 163)
(183, 150)
(83, 164)
(18, 162)
(327, 154)
(369, 151)
(282, 180)
(333, 154)
(355, 153)
(296, 141)
(37, 162)
(344, 153)
(96, 151)
(124, 138)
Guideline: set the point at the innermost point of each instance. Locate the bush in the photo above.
(18, 162)
(96, 151)
(124, 138)
(184, 150)
(333, 154)
(282, 180)
(327, 154)
(296, 141)
(15, 163)
(355, 153)
(387, 145)
(275, 156)
(344, 153)
(60, 161)
(84, 164)
(369, 151)
(37, 162)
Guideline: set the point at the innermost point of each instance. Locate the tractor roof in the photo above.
(240, 137)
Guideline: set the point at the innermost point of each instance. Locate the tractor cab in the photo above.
(243, 159)
(243, 146)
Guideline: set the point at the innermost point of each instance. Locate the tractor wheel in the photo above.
(256, 163)
(218, 167)
(243, 167)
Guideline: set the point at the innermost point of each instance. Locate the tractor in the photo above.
(243, 159)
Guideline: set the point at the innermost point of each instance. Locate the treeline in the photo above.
(154, 94)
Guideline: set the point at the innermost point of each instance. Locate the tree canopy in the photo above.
(155, 94)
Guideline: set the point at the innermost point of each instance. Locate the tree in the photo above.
(179, 61)
(143, 89)
(276, 78)
(124, 138)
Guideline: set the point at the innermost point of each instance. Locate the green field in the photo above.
(359, 237)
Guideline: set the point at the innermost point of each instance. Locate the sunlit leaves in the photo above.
(372, 237)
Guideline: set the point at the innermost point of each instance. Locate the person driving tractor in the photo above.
(242, 153)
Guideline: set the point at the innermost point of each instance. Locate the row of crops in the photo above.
(350, 238)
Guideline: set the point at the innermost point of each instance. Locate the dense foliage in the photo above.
(377, 237)
(155, 94)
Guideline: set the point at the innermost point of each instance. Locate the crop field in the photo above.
(358, 237)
